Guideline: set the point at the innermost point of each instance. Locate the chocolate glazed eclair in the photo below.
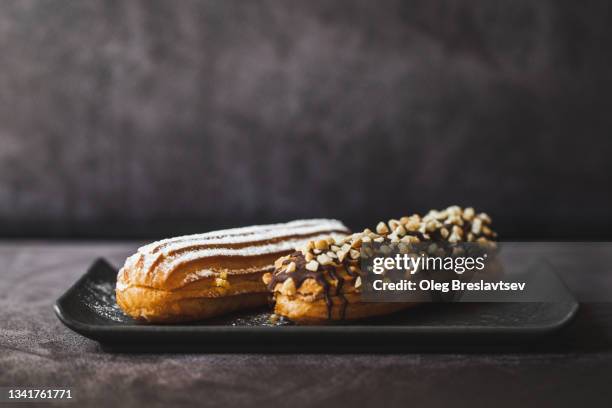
(322, 282)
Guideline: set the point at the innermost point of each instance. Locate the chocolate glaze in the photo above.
(301, 274)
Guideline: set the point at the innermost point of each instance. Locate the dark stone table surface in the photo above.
(572, 368)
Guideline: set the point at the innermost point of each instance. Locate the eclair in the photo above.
(323, 281)
(199, 276)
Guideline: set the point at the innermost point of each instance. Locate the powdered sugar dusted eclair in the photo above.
(199, 276)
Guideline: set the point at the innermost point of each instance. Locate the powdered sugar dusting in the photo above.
(246, 234)
(243, 252)
(262, 236)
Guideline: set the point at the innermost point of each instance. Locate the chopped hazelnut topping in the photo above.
(485, 218)
(444, 232)
(357, 243)
(431, 226)
(288, 287)
(476, 226)
(438, 215)
(448, 225)
(279, 261)
(454, 238)
(324, 259)
(400, 231)
(382, 228)
(393, 224)
(413, 225)
(454, 219)
(454, 210)
(468, 214)
(409, 239)
(321, 244)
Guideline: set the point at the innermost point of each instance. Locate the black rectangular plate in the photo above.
(89, 308)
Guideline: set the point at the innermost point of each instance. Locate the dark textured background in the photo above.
(147, 118)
